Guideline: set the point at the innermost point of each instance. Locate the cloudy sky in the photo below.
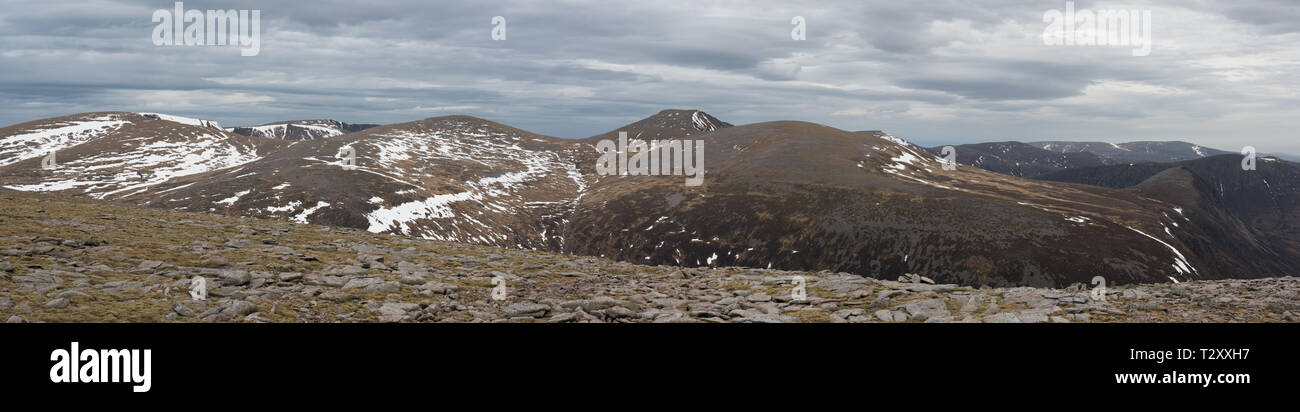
(1222, 74)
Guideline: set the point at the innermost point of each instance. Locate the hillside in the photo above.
(75, 260)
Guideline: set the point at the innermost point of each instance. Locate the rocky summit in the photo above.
(65, 259)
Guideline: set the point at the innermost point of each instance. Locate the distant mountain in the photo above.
(781, 195)
(300, 129)
(1020, 159)
(109, 155)
(667, 124)
(1134, 151)
(455, 178)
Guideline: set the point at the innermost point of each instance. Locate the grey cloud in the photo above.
(578, 68)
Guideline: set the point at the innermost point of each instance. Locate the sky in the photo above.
(1220, 74)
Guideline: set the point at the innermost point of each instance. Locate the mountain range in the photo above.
(785, 195)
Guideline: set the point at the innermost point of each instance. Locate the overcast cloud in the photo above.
(1219, 74)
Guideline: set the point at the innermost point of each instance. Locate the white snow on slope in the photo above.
(183, 120)
(1180, 262)
(280, 131)
(306, 213)
(896, 140)
(702, 123)
(422, 154)
(231, 200)
(144, 161)
(908, 157)
(58, 136)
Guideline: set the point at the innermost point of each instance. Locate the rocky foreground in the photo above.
(69, 260)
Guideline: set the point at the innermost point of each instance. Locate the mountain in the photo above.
(300, 129)
(110, 155)
(448, 178)
(1204, 222)
(1134, 151)
(1267, 199)
(794, 194)
(667, 124)
(783, 195)
(1020, 159)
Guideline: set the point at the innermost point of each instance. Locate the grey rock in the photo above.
(438, 288)
(753, 316)
(338, 296)
(6, 266)
(600, 303)
(347, 271)
(1030, 316)
(843, 284)
(389, 286)
(565, 317)
(362, 283)
(617, 312)
(524, 309)
(182, 310)
(921, 287)
(925, 309)
(914, 278)
(234, 277)
(241, 307)
(214, 261)
(396, 311)
(16, 319)
(849, 313)
(57, 303)
(1005, 317)
(885, 315)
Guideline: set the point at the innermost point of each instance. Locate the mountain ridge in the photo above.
(783, 195)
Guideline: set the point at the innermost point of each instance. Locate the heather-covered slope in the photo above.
(77, 260)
